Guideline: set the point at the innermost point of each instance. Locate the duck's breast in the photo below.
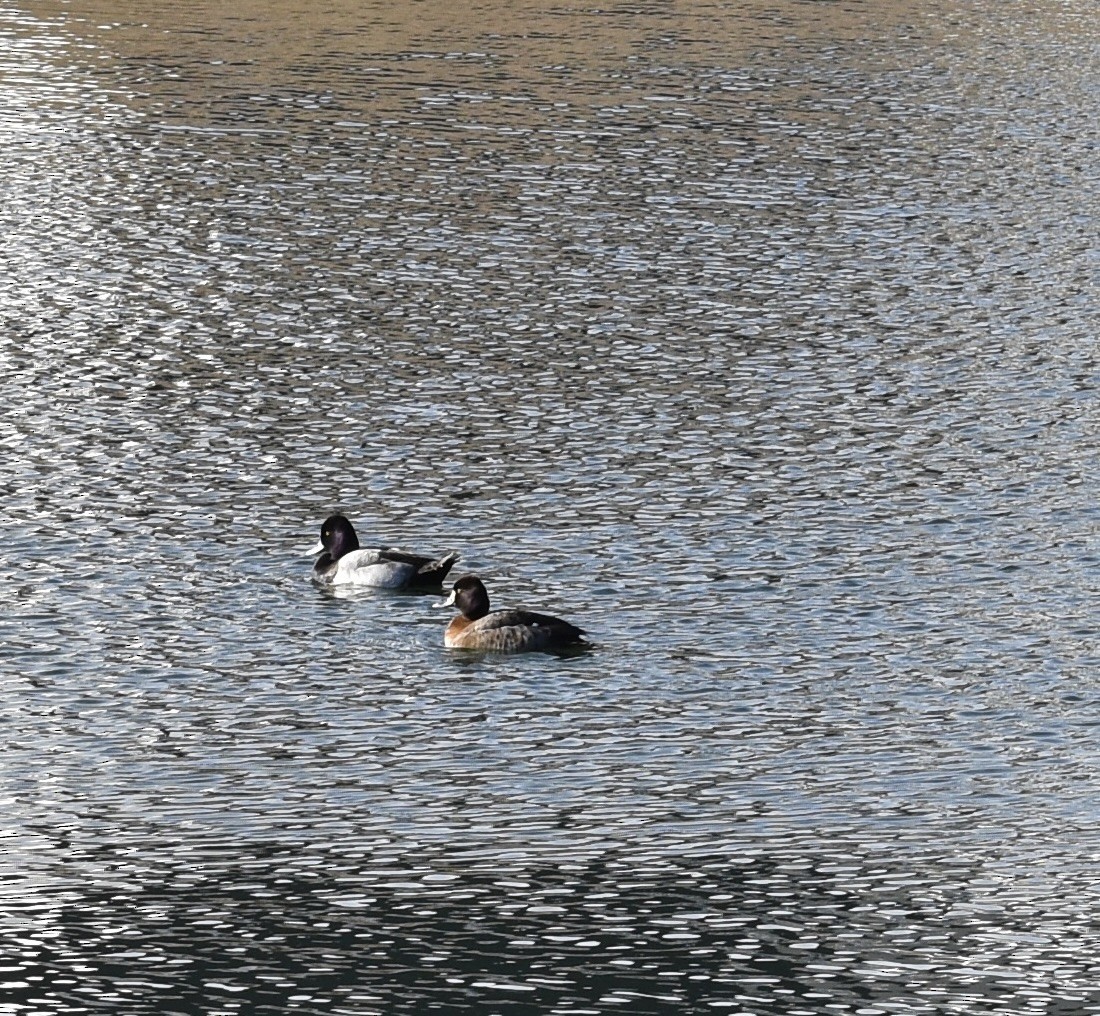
(453, 636)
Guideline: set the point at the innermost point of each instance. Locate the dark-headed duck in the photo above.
(507, 631)
(344, 563)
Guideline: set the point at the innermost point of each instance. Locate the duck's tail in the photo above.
(436, 571)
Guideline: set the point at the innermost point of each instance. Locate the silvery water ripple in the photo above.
(761, 342)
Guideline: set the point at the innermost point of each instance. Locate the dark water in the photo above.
(758, 339)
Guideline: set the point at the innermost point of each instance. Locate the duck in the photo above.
(507, 631)
(344, 563)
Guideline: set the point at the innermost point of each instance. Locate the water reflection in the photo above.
(783, 932)
(757, 340)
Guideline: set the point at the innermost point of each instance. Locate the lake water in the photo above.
(759, 339)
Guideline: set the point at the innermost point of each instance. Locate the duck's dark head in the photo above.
(469, 597)
(337, 537)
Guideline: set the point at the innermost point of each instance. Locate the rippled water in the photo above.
(760, 340)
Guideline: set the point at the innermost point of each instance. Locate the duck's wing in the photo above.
(520, 630)
(387, 568)
(362, 558)
(372, 568)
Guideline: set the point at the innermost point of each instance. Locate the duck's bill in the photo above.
(318, 548)
(447, 602)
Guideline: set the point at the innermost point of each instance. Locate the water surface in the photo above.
(760, 340)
